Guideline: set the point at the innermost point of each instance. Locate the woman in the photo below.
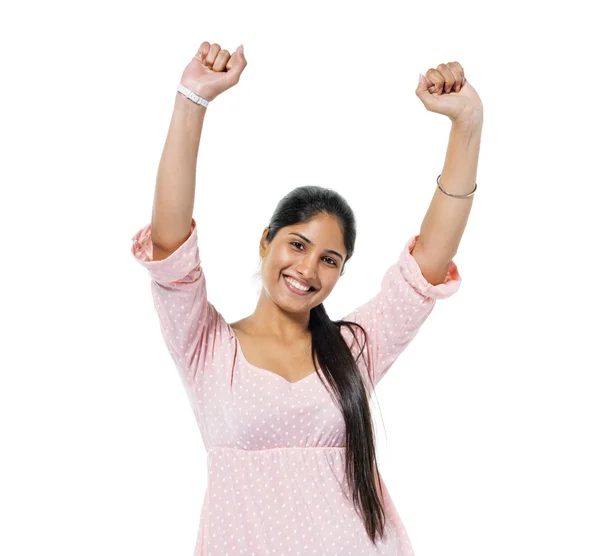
(282, 396)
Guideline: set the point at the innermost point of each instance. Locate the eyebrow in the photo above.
(311, 243)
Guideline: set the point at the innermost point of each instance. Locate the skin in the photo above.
(278, 317)
(278, 327)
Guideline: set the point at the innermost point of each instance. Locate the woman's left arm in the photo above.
(446, 218)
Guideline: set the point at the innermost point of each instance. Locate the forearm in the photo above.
(446, 218)
(176, 180)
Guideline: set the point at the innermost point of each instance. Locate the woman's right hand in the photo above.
(213, 70)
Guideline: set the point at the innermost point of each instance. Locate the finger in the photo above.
(236, 65)
(462, 73)
(212, 54)
(448, 77)
(436, 79)
(458, 66)
(428, 83)
(222, 59)
(457, 74)
(202, 51)
(232, 59)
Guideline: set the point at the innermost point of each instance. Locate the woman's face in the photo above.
(312, 252)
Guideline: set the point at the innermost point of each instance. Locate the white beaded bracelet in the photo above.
(192, 96)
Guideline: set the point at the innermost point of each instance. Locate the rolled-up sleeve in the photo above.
(394, 316)
(190, 325)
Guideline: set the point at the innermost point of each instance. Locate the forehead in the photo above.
(322, 228)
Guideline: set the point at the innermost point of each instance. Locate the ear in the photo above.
(263, 246)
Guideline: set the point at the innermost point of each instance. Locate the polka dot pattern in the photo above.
(275, 449)
(394, 316)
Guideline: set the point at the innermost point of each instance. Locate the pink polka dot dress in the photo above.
(275, 449)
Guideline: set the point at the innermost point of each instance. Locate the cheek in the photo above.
(327, 286)
(274, 266)
(327, 289)
(280, 261)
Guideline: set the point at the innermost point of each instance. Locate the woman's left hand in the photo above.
(445, 90)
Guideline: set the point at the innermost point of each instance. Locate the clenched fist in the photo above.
(213, 70)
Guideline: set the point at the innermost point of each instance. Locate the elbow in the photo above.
(433, 268)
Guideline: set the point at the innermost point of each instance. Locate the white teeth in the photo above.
(296, 284)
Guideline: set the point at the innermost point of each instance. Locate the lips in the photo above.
(295, 290)
(301, 282)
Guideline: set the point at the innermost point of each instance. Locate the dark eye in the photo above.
(333, 263)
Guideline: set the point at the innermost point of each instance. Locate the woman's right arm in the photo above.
(194, 331)
(210, 72)
(176, 180)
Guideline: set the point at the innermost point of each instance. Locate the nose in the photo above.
(307, 268)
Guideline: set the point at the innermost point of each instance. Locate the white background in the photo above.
(487, 424)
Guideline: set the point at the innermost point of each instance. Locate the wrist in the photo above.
(470, 120)
(184, 104)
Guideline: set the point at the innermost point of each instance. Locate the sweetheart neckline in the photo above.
(243, 358)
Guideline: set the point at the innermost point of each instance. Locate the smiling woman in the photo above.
(297, 274)
(282, 396)
(325, 227)
(284, 411)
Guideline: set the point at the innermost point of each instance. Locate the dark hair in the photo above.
(336, 359)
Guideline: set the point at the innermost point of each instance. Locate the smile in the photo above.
(289, 282)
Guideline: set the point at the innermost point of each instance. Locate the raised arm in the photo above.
(426, 271)
(210, 72)
(445, 90)
(176, 180)
(194, 331)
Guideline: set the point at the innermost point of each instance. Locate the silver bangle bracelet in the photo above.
(452, 194)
